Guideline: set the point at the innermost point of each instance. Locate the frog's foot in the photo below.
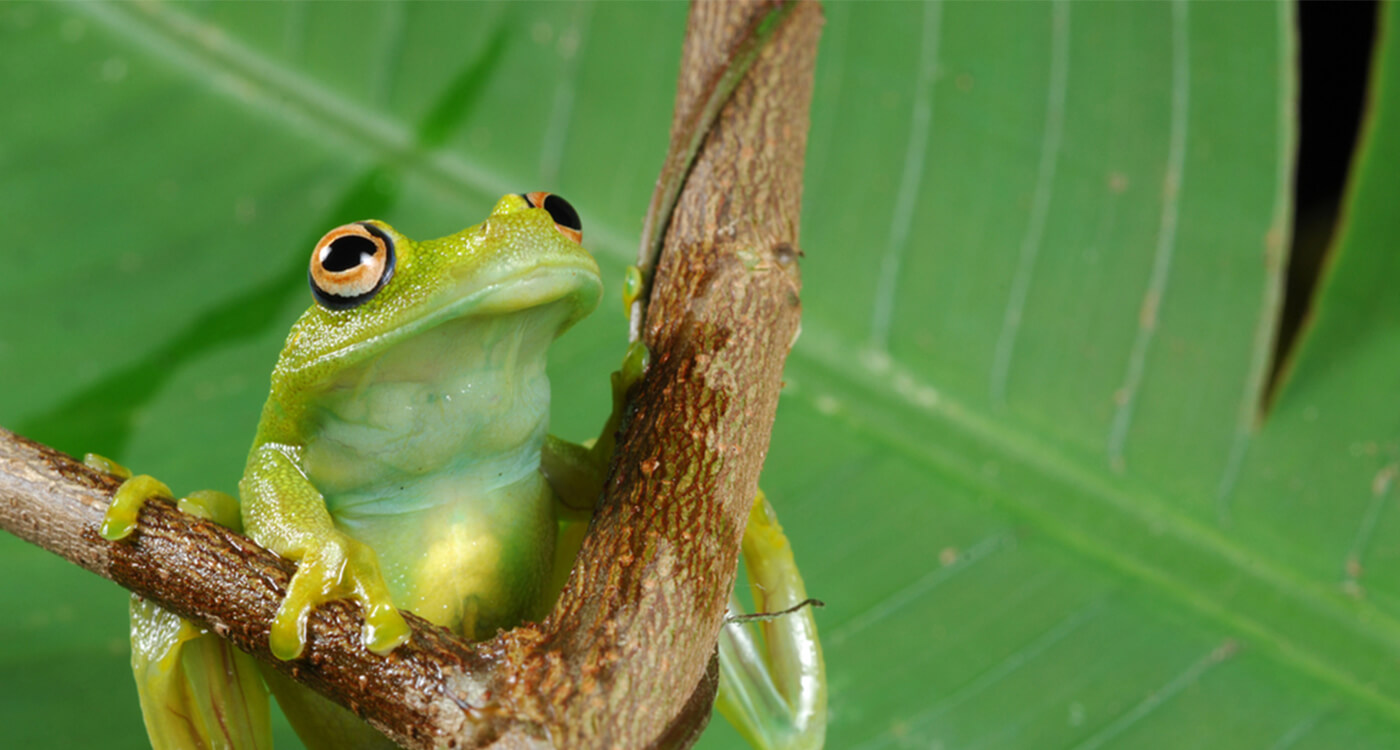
(337, 567)
(196, 690)
(133, 494)
(774, 690)
(126, 505)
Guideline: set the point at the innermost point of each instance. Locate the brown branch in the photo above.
(647, 598)
(224, 581)
(627, 657)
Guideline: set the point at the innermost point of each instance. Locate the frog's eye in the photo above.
(350, 264)
(566, 219)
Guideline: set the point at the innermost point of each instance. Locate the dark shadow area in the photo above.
(1336, 40)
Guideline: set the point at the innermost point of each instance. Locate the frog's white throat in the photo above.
(454, 413)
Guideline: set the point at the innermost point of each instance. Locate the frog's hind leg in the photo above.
(197, 691)
(773, 688)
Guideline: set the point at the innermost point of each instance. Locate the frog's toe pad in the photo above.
(385, 629)
(106, 466)
(286, 639)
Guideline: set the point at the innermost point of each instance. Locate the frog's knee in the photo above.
(196, 690)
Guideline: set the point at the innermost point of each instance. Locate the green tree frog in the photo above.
(402, 460)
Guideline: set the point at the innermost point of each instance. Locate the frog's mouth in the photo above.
(563, 293)
(577, 286)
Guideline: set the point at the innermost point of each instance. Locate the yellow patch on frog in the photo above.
(461, 570)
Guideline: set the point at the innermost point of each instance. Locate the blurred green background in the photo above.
(1019, 452)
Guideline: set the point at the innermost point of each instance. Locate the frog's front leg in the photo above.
(286, 514)
(773, 693)
(196, 689)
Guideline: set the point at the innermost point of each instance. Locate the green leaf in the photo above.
(1019, 453)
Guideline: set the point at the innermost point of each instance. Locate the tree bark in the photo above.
(626, 659)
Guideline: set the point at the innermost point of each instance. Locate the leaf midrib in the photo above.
(886, 390)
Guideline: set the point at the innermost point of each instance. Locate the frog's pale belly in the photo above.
(474, 563)
(430, 454)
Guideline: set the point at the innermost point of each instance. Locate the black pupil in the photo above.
(347, 252)
(563, 214)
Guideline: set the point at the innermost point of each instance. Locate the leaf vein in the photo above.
(914, 159)
(1160, 697)
(1056, 92)
(1126, 395)
(928, 582)
(1275, 254)
(234, 70)
(1003, 669)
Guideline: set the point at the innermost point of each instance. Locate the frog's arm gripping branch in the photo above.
(627, 657)
(223, 581)
(435, 691)
(330, 565)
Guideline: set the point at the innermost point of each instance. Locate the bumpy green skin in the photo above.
(402, 461)
(397, 460)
